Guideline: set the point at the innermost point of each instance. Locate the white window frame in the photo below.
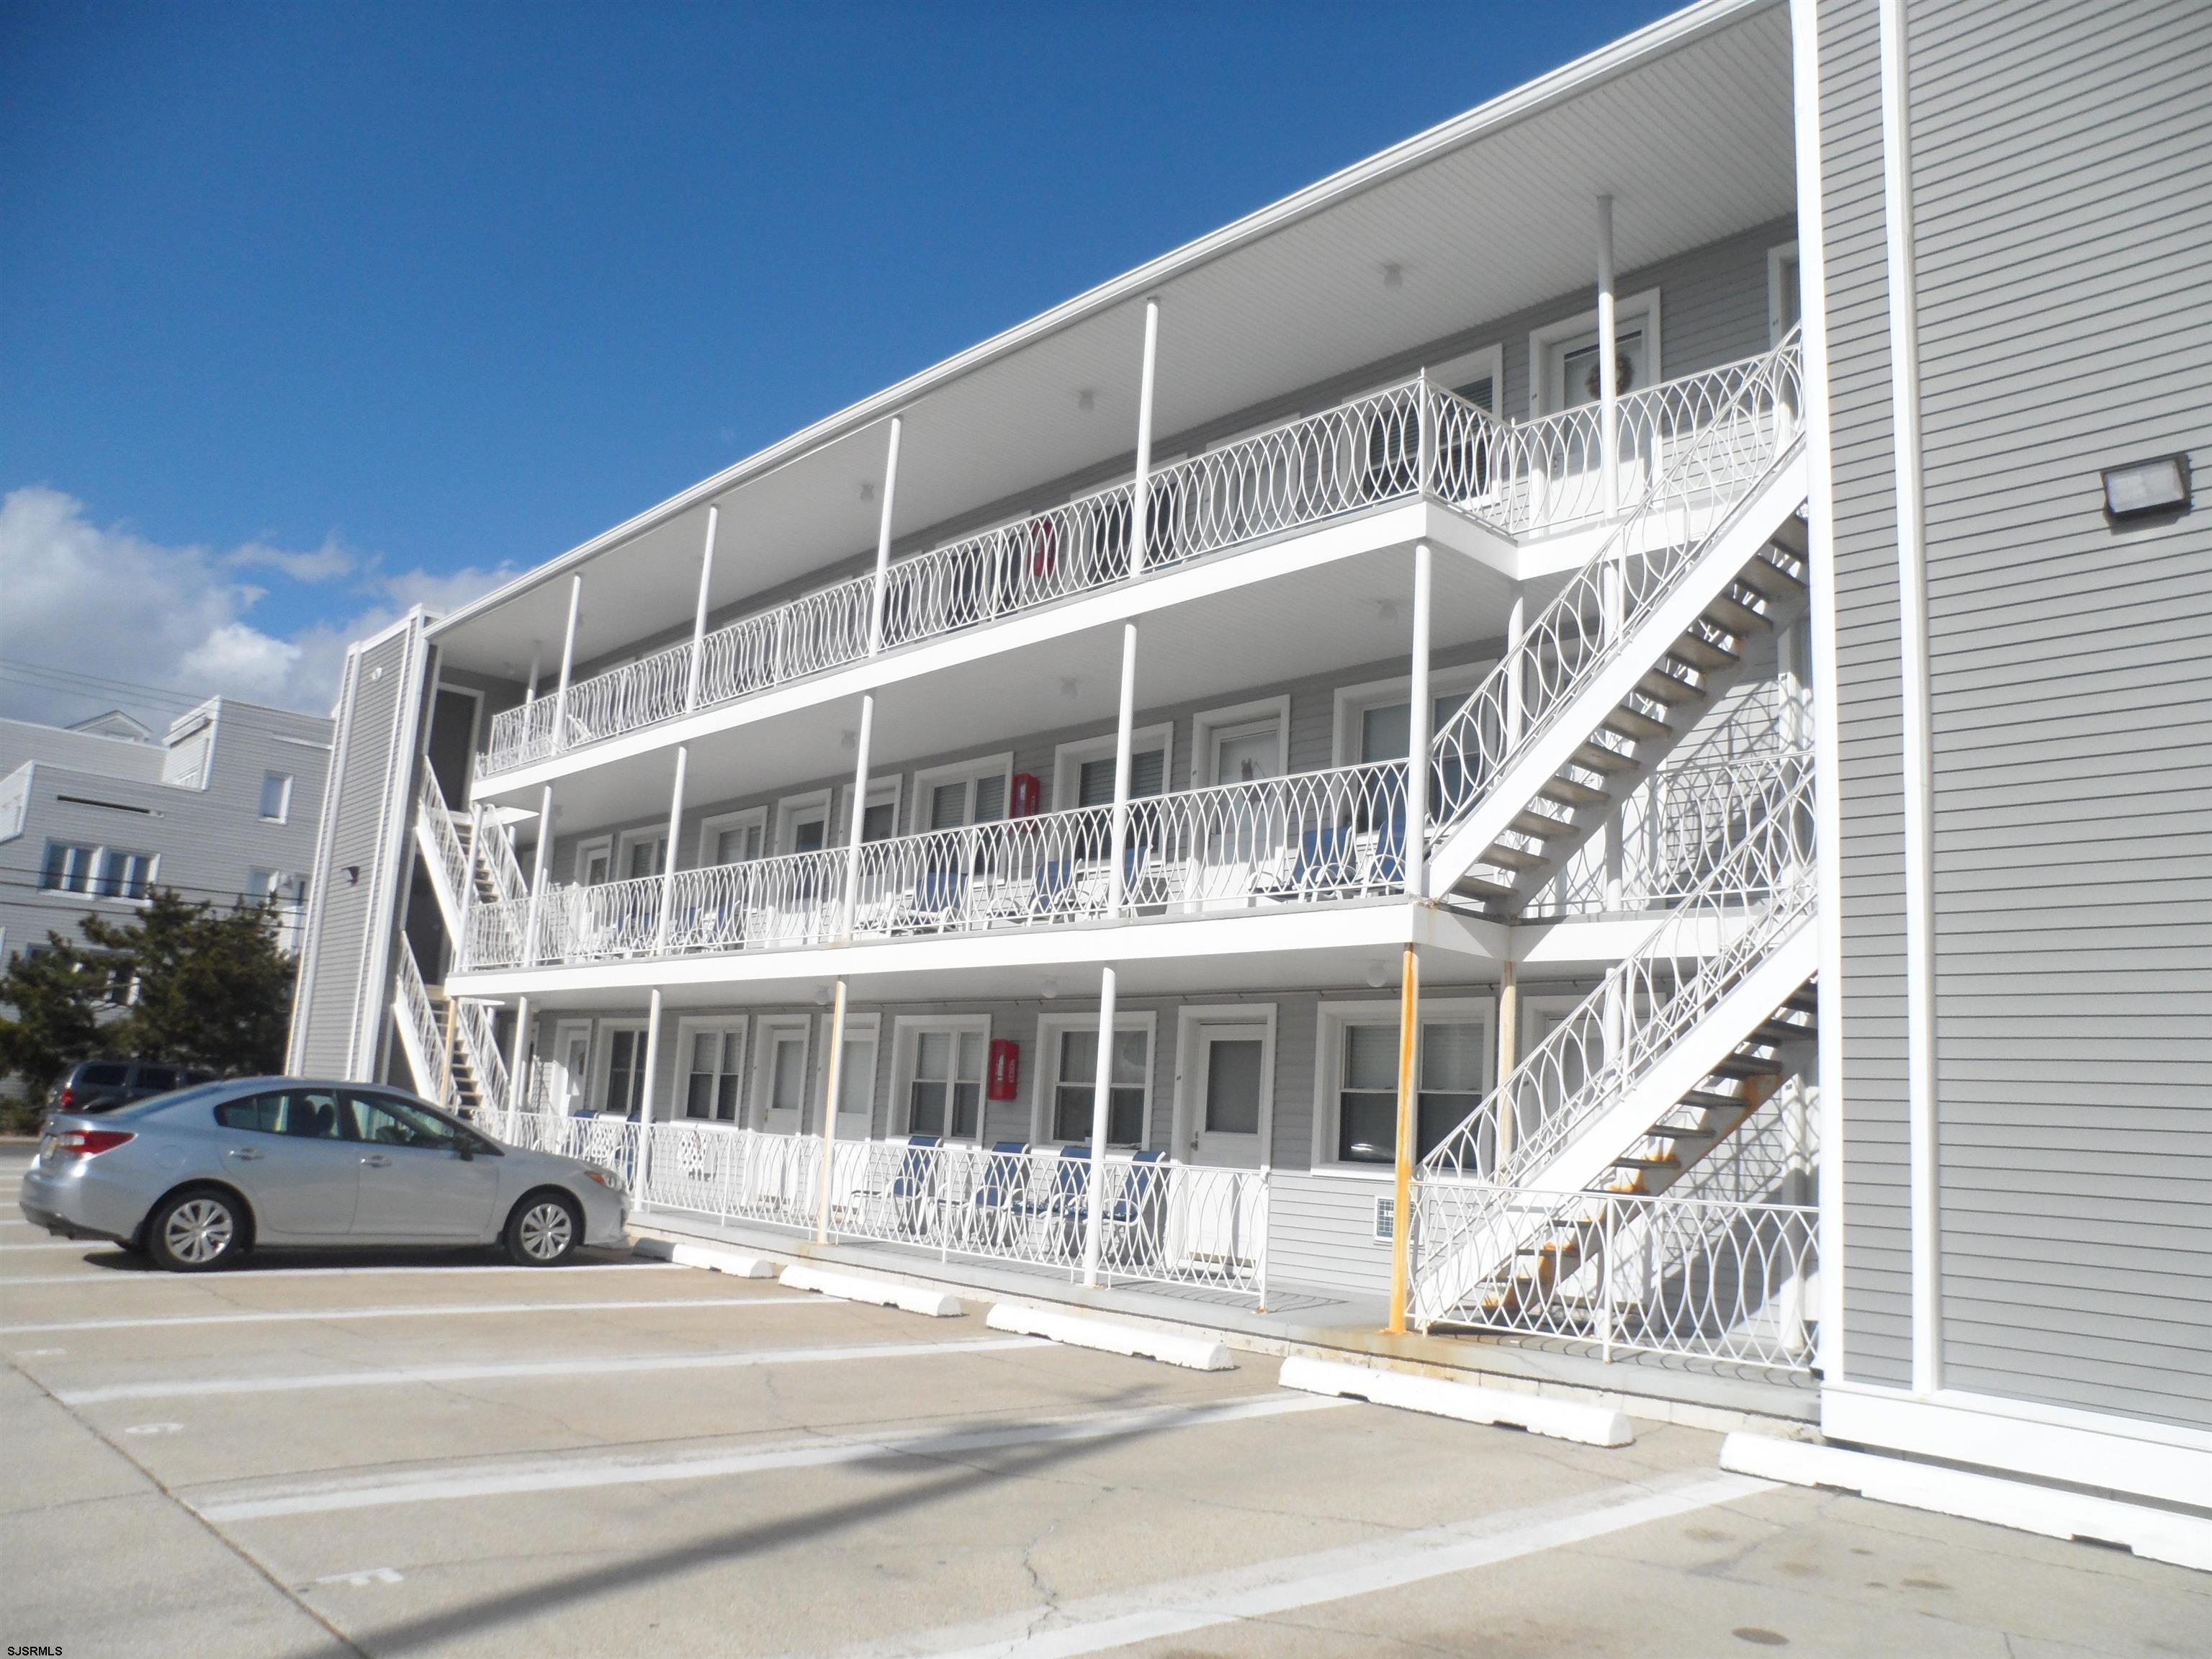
(89, 874)
(1208, 725)
(883, 789)
(1328, 1047)
(1049, 1029)
(929, 780)
(603, 1062)
(595, 844)
(906, 1033)
(1781, 254)
(790, 808)
(1068, 759)
(284, 813)
(1488, 360)
(1191, 1021)
(1625, 307)
(712, 829)
(1352, 701)
(619, 869)
(688, 1030)
(759, 1090)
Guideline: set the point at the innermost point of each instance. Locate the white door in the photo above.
(1229, 1102)
(780, 1080)
(1571, 381)
(856, 1081)
(623, 1091)
(1244, 838)
(572, 1055)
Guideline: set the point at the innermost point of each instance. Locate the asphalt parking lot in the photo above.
(393, 1455)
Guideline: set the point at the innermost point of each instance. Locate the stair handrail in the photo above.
(452, 857)
(1591, 620)
(480, 1043)
(422, 1020)
(1758, 892)
(500, 863)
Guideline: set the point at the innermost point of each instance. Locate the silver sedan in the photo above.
(197, 1178)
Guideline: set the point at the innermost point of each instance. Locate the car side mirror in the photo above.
(464, 1151)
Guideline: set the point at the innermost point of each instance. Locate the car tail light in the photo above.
(69, 1098)
(90, 1143)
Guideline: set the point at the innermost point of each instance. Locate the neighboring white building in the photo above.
(224, 805)
(1693, 455)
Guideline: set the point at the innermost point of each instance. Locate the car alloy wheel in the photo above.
(198, 1231)
(546, 1229)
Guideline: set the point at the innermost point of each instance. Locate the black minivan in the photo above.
(101, 1085)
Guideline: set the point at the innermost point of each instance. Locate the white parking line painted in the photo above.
(572, 1472)
(424, 1311)
(608, 1365)
(1268, 1588)
(62, 1244)
(273, 1275)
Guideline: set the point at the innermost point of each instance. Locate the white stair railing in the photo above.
(480, 1043)
(1396, 445)
(453, 857)
(421, 1036)
(1469, 1212)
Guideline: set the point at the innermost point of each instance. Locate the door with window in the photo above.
(1385, 734)
(779, 1079)
(288, 1153)
(1571, 381)
(1229, 1107)
(624, 1092)
(856, 1079)
(570, 1067)
(421, 1176)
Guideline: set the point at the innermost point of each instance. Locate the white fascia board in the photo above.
(2163, 1462)
(1580, 941)
(1207, 578)
(1584, 73)
(1387, 924)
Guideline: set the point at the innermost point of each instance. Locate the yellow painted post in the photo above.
(1401, 1216)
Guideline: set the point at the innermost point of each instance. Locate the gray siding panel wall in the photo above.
(1877, 1306)
(2062, 195)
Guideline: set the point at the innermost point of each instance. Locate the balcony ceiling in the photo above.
(1688, 124)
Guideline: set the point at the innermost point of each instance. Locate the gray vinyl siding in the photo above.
(335, 991)
(2062, 194)
(1877, 1305)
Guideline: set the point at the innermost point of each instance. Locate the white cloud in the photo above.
(108, 603)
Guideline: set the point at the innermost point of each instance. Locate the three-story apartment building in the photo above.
(1420, 756)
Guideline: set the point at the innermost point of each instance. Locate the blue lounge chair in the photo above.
(1325, 861)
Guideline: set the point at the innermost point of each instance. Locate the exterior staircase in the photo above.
(451, 1044)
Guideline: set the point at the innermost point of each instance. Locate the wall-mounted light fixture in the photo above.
(2141, 487)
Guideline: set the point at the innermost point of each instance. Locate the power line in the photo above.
(95, 686)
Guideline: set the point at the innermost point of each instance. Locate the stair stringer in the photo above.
(449, 902)
(1751, 524)
(1487, 1250)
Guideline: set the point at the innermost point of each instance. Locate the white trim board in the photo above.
(2158, 1461)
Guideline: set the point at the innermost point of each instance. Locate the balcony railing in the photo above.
(1409, 441)
(1312, 837)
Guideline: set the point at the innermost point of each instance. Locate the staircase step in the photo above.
(1634, 723)
(1513, 858)
(1568, 793)
(1704, 1100)
(1539, 826)
(1647, 1163)
(1748, 1065)
(1771, 580)
(1805, 999)
(1667, 1132)
(1733, 617)
(1482, 887)
(1599, 758)
(1660, 686)
(1699, 652)
(1795, 536)
(1771, 1031)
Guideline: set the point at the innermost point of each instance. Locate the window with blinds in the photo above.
(1447, 1082)
(1148, 774)
(1077, 1080)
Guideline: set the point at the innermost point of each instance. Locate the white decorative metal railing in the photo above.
(424, 1037)
(473, 1021)
(1710, 1279)
(1315, 836)
(495, 851)
(611, 1141)
(1404, 442)
(1593, 616)
(452, 856)
(1158, 1222)
(1760, 893)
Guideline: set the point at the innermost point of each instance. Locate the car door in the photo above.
(423, 1178)
(286, 1152)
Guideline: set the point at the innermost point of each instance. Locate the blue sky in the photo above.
(310, 311)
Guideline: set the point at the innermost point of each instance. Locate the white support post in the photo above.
(516, 1083)
(1140, 494)
(1509, 1056)
(859, 819)
(884, 542)
(1608, 362)
(668, 858)
(468, 893)
(1117, 847)
(568, 663)
(538, 856)
(1420, 720)
(1101, 1095)
(1517, 691)
(699, 613)
(530, 690)
(645, 1095)
(832, 1083)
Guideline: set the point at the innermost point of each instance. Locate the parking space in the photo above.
(393, 1454)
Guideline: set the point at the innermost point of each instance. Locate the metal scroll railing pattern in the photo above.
(581, 923)
(1761, 894)
(428, 1037)
(794, 899)
(1592, 616)
(1158, 1222)
(472, 1020)
(452, 856)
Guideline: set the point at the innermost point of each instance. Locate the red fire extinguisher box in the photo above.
(1006, 1070)
(1026, 796)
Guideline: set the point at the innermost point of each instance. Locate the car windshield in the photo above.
(154, 1103)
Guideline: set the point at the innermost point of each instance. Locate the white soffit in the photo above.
(1687, 124)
